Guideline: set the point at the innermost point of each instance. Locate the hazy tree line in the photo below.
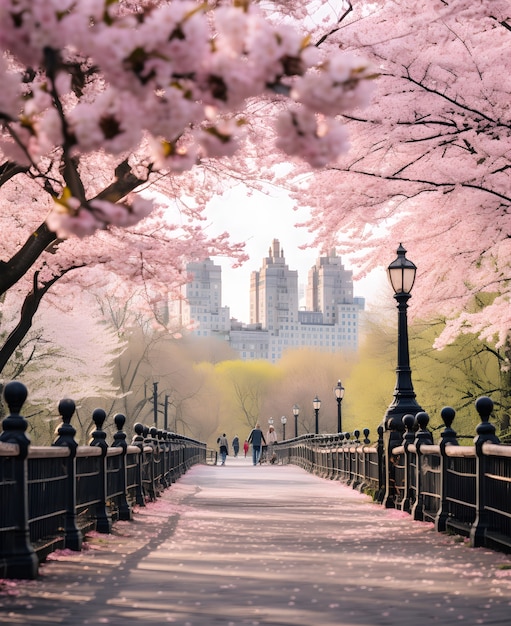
(203, 388)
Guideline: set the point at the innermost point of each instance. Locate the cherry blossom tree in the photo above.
(105, 103)
(430, 161)
(66, 353)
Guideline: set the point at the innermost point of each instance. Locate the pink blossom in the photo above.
(317, 143)
(168, 156)
(80, 223)
(219, 140)
(340, 84)
(10, 93)
(111, 122)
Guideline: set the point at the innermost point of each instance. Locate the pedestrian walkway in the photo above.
(270, 545)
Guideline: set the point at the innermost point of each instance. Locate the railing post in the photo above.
(148, 441)
(17, 556)
(66, 438)
(120, 442)
(392, 439)
(166, 458)
(422, 437)
(382, 465)
(335, 457)
(448, 438)
(408, 438)
(138, 440)
(103, 519)
(173, 458)
(347, 459)
(160, 442)
(358, 474)
(341, 465)
(156, 461)
(364, 478)
(485, 434)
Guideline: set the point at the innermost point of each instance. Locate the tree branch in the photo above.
(8, 170)
(14, 269)
(28, 310)
(420, 181)
(334, 30)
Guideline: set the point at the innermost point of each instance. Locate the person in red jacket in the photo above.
(245, 447)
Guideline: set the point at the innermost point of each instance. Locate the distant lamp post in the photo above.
(401, 273)
(283, 421)
(270, 421)
(339, 395)
(296, 413)
(316, 403)
(155, 404)
(166, 413)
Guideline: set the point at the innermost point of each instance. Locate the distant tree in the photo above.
(456, 375)
(371, 380)
(72, 356)
(245, 386)
(303, 373)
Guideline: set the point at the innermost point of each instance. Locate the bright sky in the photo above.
(257, 220)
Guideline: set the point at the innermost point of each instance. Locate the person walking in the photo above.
(236, 445)
(271, 440)
(224, 448)
(246, 446)
(256, 438)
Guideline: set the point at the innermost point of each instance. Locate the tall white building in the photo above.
(329, 286)
(329, 323)
(274, 291)
(202, 309)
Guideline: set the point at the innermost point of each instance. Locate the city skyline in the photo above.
(329, 321)
(276, 218)
(236, 281)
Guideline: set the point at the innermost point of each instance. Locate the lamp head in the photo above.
(401, 272)
(339, 390)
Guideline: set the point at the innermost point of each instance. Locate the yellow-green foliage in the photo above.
(209, 392)
(456, 376)
(370, 386)
(255, 391)
(242, 387)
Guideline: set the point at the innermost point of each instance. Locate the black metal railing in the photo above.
(462, 489)
(51, 496)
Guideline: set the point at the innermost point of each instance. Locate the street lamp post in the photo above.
(339, 395)
(283, 421)
(166, 413)
(155, 404)
(316, 403)
(401, 273)
(296, 413)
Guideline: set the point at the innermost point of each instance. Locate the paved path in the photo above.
(271, 546)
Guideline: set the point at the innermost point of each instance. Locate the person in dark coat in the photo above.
(256, 438)
(236, 445)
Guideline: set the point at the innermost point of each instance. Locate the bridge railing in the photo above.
(461, 489)
(52, 495)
